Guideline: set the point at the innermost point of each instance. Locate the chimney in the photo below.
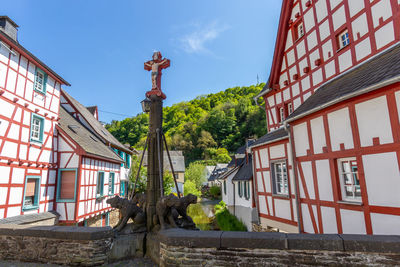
(9, 27)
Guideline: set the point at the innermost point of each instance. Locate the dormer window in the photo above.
(298, 30)
(343, 39)
(40, 81)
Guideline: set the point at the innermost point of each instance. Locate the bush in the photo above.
(190, 188)
(215, 191)
(226, 221)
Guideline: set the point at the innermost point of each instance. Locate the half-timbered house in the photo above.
(329, 162)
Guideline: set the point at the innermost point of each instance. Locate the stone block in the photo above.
(253, 240)
(127, 246)
(191, 239)
(315, 242)
(371, 243)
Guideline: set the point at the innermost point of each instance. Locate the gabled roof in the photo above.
(245, 172)
(97, 127)
(270, 137)
(225, 175)
(29, 55)
(280, 44)
(375, 73)
(91, 144)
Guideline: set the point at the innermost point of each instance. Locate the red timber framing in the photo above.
(313, 206)
(301, 66)
(20, 157)
(263, 173)
(86, 204)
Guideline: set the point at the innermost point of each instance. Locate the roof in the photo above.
(270, 137)
(12, 42)
(97, 127)
(84, 138)
(217, 172)
(375, 73)
(225, 175)
(92, 109)
(245, 172)
(242, 149)
(177, 158)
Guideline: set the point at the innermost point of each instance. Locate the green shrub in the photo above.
(190, 188)
(215, 191)
(226, 221)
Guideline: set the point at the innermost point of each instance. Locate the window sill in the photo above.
(37, 142)
(353, 203)
(281, 196)
(28, 208)
(40, 92)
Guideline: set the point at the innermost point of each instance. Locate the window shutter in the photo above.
(30, 188)
(67, 190)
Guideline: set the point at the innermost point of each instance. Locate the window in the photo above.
(31, 193)
(290, 108)
(282, 114)
(40, 81)
(240, 189)
(298, 30)
(128, 161)
(111, 183)
(280, 178)
(122, 155)
(343, 39)
(224, 187)
(66, 185)
(246, 190)
(100, 184)
(348, 175)
(37, 128)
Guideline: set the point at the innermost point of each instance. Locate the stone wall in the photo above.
(96, 221)
(195, 248)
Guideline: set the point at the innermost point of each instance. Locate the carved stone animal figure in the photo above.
(128, 209)
(182, 205)
(164, 208)
(140, 200)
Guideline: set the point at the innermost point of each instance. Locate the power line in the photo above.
(118, 114)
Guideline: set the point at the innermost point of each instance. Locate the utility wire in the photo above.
(119, 114)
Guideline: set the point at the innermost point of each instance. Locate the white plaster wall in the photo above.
(321, 10)
(340, 129)
(352, 222)
(360, 25)
(345, 60)
(262, 205)
(307, 222)
(282, 208)
(242, 201)
(384, 35)
(338, 18)
(324, 30)
(355, 7)
(263, 158)
(383, 179)
(308, 177)
(267, 181)
(374, 121)
(300, 134)
(277, 151)
(383, 224)
(382, 9)
(318, 134)
(363, 49)
(329, 223)
(324, 180)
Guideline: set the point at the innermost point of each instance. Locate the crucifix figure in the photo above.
(156, 66)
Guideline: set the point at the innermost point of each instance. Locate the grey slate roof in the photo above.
(245, 172)
(383, 68)
(97, 127)
(34, 58)
(91, 144)
(177, 158)
(271, 136)
(225, 175)
(216, 173)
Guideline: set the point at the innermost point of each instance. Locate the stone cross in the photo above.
(156, 66)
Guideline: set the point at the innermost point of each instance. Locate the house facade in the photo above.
(54, 158)
(331, 105)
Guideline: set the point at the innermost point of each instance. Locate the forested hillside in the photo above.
(205, 127)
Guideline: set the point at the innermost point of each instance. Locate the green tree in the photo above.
(190, 188)
(196, 174)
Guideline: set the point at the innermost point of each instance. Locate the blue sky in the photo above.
(99, 46)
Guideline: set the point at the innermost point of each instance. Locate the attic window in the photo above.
(94, 139)
(73, 128)
(343, 39)
(298, 30)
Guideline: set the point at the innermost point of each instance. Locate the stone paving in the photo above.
(134, 262)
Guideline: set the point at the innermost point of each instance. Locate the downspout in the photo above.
(234, 198)
(295, 180)
(254, 186)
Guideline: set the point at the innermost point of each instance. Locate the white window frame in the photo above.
(343, 42)
(40, 82)
(290, 108)
(37, 130)
(282, 114)
(353, 184)
(300, 30)
(281, 187)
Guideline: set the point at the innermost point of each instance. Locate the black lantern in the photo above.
(146, 104)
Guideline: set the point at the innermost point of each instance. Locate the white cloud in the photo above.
(195, 42)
